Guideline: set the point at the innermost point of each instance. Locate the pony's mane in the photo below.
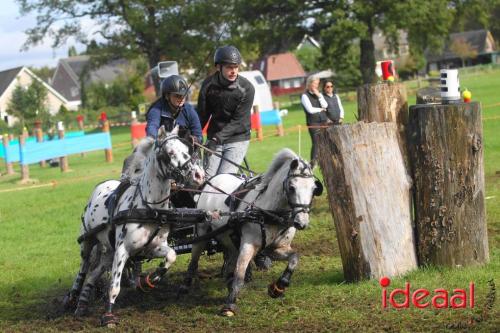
(283, 156)
(145, 145)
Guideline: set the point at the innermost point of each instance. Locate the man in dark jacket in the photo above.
(226, 101)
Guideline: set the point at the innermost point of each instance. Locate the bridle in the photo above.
(166, 169)
(299, 207)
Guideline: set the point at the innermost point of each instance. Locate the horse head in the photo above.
(300, 186)
(175, 159)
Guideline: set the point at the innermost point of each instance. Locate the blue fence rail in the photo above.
(33, 152)
(271, 117)
(15, 142)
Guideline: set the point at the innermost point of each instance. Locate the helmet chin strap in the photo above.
(175, 109)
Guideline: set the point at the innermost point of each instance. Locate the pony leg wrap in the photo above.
(82, 309)
(108, 318)
(148, 282)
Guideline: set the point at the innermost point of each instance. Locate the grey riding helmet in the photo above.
(227, 55)
(174, 84)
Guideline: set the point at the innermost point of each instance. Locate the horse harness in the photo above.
(191, 216)
(134, 214)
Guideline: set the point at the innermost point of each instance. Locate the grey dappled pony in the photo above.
(288, 186)
(166, 158)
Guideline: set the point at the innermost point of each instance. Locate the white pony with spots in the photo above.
(287, 189)
(167, 158)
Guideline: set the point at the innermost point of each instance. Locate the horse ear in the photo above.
(294, 165)
(161, 132)
(318, 190)
(175, 131)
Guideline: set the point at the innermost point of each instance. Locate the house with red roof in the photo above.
(283, 72)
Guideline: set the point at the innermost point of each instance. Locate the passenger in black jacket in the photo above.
(225, 101)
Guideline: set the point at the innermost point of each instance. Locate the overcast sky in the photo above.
(12, 37)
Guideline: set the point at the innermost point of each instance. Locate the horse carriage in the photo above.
(246, 217)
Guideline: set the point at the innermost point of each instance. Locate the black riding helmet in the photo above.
(227, 55)
(174, 84)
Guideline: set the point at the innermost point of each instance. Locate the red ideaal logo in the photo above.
(439, 298)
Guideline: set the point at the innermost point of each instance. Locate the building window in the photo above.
(286, 84)
(259, 79)
(74, 91)
(297, 83)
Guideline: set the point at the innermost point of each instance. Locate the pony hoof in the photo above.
(227, 313)
(183, 290)
(274, 291)
(109, 320)
(228, 310)
(81, 310)
(69, 302)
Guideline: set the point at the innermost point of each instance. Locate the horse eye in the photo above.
(171, 153)
(291, 188)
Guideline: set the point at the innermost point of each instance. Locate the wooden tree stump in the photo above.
(385, 102)
(429, 95)
(446, 149)
(369, 195)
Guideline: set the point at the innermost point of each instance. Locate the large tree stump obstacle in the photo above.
(369, 194)
(385, 102)
(446, 149)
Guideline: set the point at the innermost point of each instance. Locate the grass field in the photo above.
(39, 255)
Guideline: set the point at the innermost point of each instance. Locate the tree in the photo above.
(308, 58)
(272, 26)
(45, 73)
(463, 49)
(29, 104)
(126, 90)
(344, 23)
(72, 51)
(346, 27)
(478, 14)
(159, 30)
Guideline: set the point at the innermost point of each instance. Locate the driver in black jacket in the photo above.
(226, 101)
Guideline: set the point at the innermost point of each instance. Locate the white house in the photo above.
(22, 76)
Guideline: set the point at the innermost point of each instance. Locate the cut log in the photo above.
(369, 194)
(385, 102)
(429, 95)
(446, 150)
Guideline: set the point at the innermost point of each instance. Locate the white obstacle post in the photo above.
(107, 152)
(8, 165)
(25, 171)
(279, 127)
(133, 122)
(63, 160)
(81, 126)
(39, 137)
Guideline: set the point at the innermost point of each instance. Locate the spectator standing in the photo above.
(315, 106)
(335, 111)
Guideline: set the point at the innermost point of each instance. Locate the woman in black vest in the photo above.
(315, 106)
(335, 111)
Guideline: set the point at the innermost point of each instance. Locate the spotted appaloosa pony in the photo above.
(168, 158)
(287, 187)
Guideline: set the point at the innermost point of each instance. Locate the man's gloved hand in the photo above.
(211, 144)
